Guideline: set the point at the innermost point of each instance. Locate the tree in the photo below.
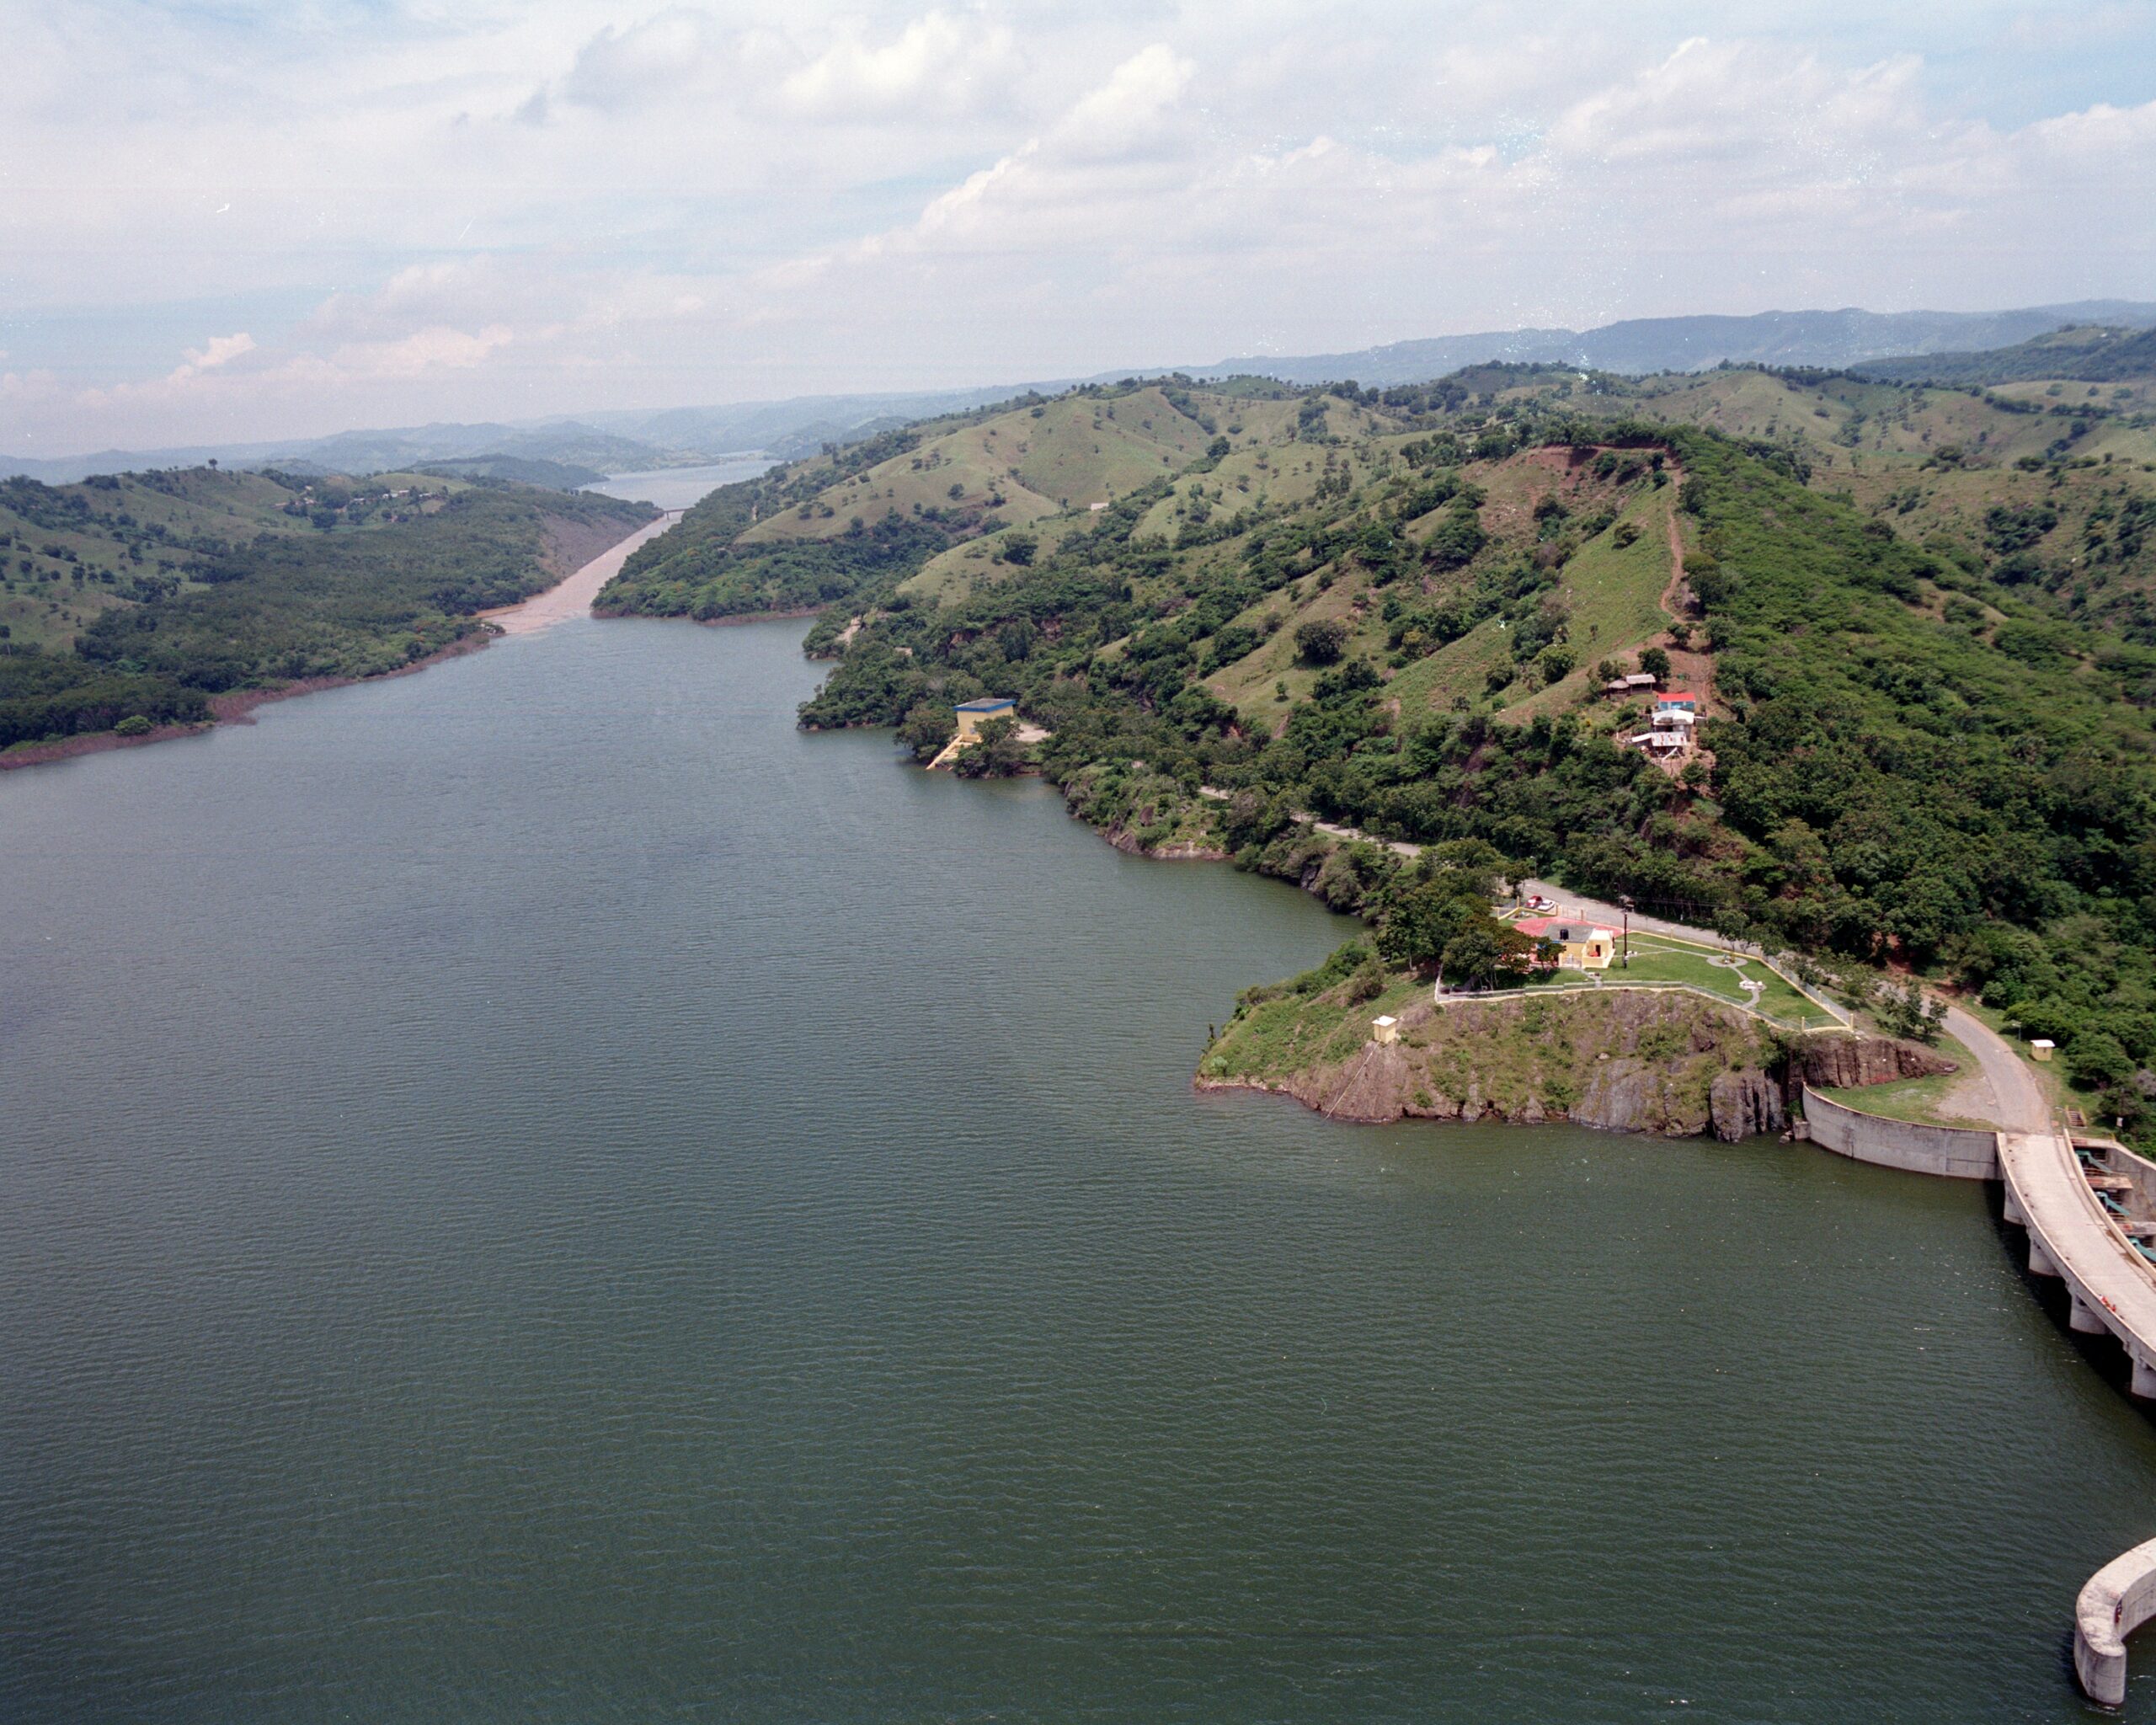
(1487, 954)
(1656, 662)
(928, 726)
(1321, 641)
(1020, 548)
(2096, 1060)
(1457, 538)
(1556, 664)
(1422, 922)
(1908, 1011)
(998, 754)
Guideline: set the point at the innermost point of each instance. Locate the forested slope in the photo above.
(2092, 355)
(1909, 757)
(326, 590)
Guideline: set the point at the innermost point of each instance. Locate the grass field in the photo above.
(1023, 465)
(1657, 960)
(1614, 593)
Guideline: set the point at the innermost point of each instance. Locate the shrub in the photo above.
(1321, 641)
(2096, 1060)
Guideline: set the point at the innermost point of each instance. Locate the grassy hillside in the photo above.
(184, 587)
(1916, 754)
(955, 501)
(2047, 487)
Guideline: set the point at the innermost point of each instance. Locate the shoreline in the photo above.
(237, 706)
(234, 707)
(730, 621)
(574, 594)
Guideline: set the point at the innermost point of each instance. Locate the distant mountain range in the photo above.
(1829, 340)
(631, 441)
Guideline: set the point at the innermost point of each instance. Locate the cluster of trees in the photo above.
(283, 607)
(704, 574)
(1435, 916)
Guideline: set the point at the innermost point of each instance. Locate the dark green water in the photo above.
(535, 1192)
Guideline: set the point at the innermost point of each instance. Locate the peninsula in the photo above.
(1850, 668)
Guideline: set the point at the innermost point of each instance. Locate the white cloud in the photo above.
(758, 199)
(218, 350)
(1130, 109)
(619, 68)
(436, 347)
(939, 63)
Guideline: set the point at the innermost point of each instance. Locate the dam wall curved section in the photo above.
(2115, 1601)
(1954, 1152)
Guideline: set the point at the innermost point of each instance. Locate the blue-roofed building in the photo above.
(974, 714)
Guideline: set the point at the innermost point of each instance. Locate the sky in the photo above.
(239, 220)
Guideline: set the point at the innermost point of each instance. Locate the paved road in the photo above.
(2021, 1104)
(1615, 916)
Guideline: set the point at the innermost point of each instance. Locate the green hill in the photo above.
(133, 599)
(518, 470)
(992, 482)
(2088, 355)
(1403, 622)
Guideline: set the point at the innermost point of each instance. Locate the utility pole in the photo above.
(1625, 904)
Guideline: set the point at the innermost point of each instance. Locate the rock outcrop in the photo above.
(1850, 1062)
(1626, 1061)
(1743, 1104)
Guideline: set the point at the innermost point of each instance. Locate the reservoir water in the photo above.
(537, 1192)
(678, 487)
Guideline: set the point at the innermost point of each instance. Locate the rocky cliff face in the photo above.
(1743, 1104)
(1847, 1062)
(1630, 1061)
(1626, 1061)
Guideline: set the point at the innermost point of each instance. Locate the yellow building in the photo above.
(974, 714)
(1581, 946)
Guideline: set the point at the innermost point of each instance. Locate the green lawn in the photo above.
(1657, 958)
